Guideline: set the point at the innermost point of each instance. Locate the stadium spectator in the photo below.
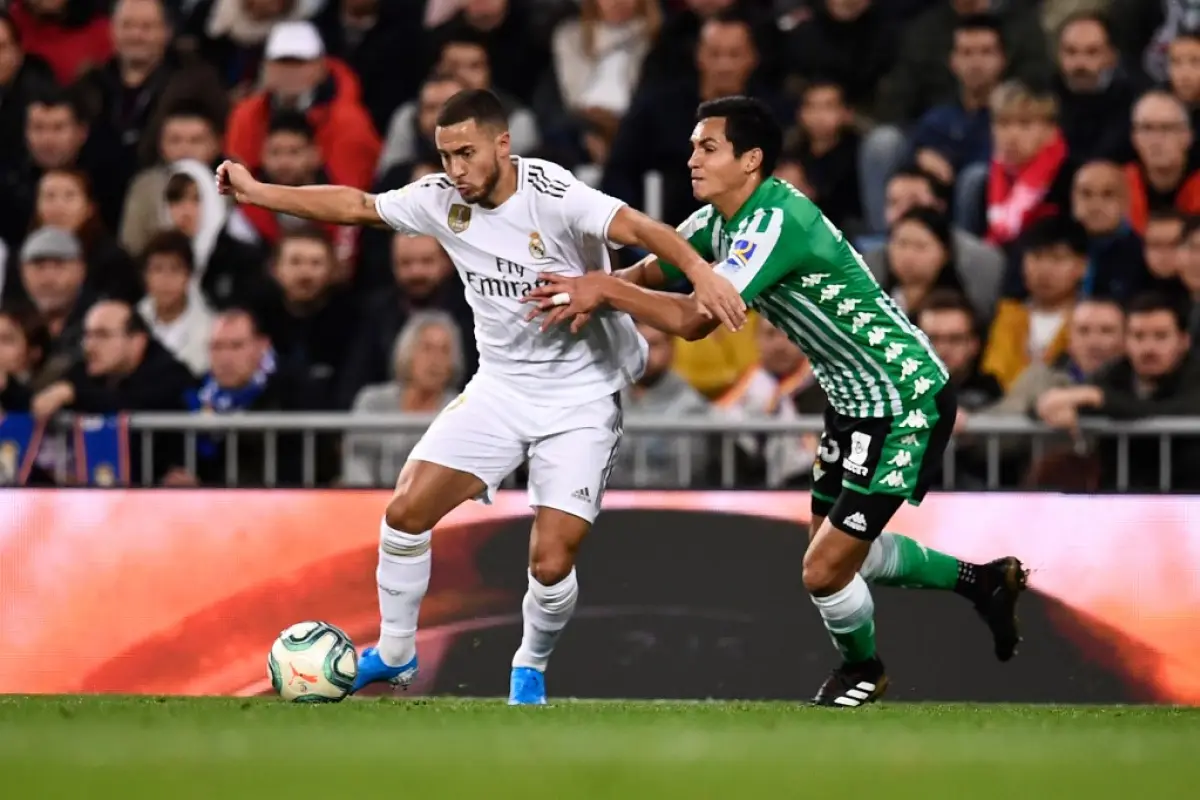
(23, 76)
(516, 53)
(597, 66)
(71, 35)
(122, 95)
(1095, 90)
(1025, 332)
(1188, 285)
(851, 43)
(56, 137)
(1158, 377)
(52, 276)
(244, 377)
(428, 369)
(1162, 177)
(675, 51)
(663, 460)
(188, 131)
(953, 141)
(423, 279)
(780, 386)
(919, 258)
(1098, 203)
(24, 340)
(1096, 337)
(1161, 250)
(823, 147)
(410, 133)
(311, 321)
(1028, 159)
(464, 57)
(949, 321)
(654, 135)
(982, 264)
(175, 313)
(921, 79)
(298, 75)
(64, 200)
(1144, 30)
(382, 42)
(231, 34)
(227, 268)
(1183, 73)
(291, 157)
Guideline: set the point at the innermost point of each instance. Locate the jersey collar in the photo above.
(752, 203)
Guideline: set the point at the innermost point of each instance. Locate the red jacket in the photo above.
(344, 131)
(70, 51)
(1187, 196)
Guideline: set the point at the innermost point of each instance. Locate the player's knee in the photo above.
(822, 575)
(550, 565)
(408, 514)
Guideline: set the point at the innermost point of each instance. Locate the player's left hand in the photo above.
(561, 298)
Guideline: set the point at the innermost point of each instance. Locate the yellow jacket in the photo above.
(1007, 352)
(714, 363)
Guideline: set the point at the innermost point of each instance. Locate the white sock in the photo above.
(402, 577)
(883, 559)
(546, 609)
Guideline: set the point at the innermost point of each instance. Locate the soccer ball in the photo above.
(312, 662)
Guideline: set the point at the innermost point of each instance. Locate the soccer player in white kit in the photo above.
(553, 397)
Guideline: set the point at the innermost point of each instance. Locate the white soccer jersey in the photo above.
(554, 223)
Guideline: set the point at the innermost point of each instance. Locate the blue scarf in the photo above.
(212, 398)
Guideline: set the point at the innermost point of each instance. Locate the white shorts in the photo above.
(487, 432)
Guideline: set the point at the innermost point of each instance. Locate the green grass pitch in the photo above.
(99, 747)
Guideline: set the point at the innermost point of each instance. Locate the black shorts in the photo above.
(868, 466)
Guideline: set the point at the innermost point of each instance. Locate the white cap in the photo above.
(298, 40)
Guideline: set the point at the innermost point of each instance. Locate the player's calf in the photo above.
(549, 601)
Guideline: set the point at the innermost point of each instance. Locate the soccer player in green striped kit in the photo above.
(891, 410)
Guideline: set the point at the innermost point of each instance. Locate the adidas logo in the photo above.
(856, 522)
(582, 495)
(855, 697)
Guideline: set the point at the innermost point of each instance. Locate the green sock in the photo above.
(896, 560)
(849, 616)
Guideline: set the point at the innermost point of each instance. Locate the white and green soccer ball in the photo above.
(312, 662)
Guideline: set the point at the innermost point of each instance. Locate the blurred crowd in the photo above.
(1022, 177)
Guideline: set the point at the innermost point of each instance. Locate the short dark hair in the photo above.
(1187, 32)
(56, 97)
(177, 186)
(1048, 232)
(805, 86)
(290, 121)
(1153, 301)
(188, 108)
(33, 326)
(1098, 17)
(306, 233)
(1166, 215)
(473, 104)
(134, 322)
(942, 299)
(247, 312)
(1191, 224)
(170, 243)
(749, 125)
(981, 22)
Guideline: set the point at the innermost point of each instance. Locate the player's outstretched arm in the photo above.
(715, 296)
(562, 298)
(646, 272)
(339, 205)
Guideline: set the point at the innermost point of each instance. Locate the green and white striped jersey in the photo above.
(793, 266)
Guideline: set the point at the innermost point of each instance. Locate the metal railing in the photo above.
(988, 440)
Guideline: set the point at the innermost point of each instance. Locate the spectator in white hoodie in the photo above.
(177, 316)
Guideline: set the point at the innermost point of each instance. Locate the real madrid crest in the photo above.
(536, 248)
(459, 218)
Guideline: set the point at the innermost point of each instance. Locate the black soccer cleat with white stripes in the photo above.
(853, 685)
(998, 586)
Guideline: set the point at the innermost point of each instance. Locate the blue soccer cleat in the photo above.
(371, 669)
(527, 687)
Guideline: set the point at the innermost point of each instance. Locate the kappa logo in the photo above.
(459, 218)
(903, 458)
(855, 522)
(915, 419)
(537, 248)
(894, 479)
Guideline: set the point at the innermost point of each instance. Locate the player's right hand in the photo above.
(719, 298)
(234, 179)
